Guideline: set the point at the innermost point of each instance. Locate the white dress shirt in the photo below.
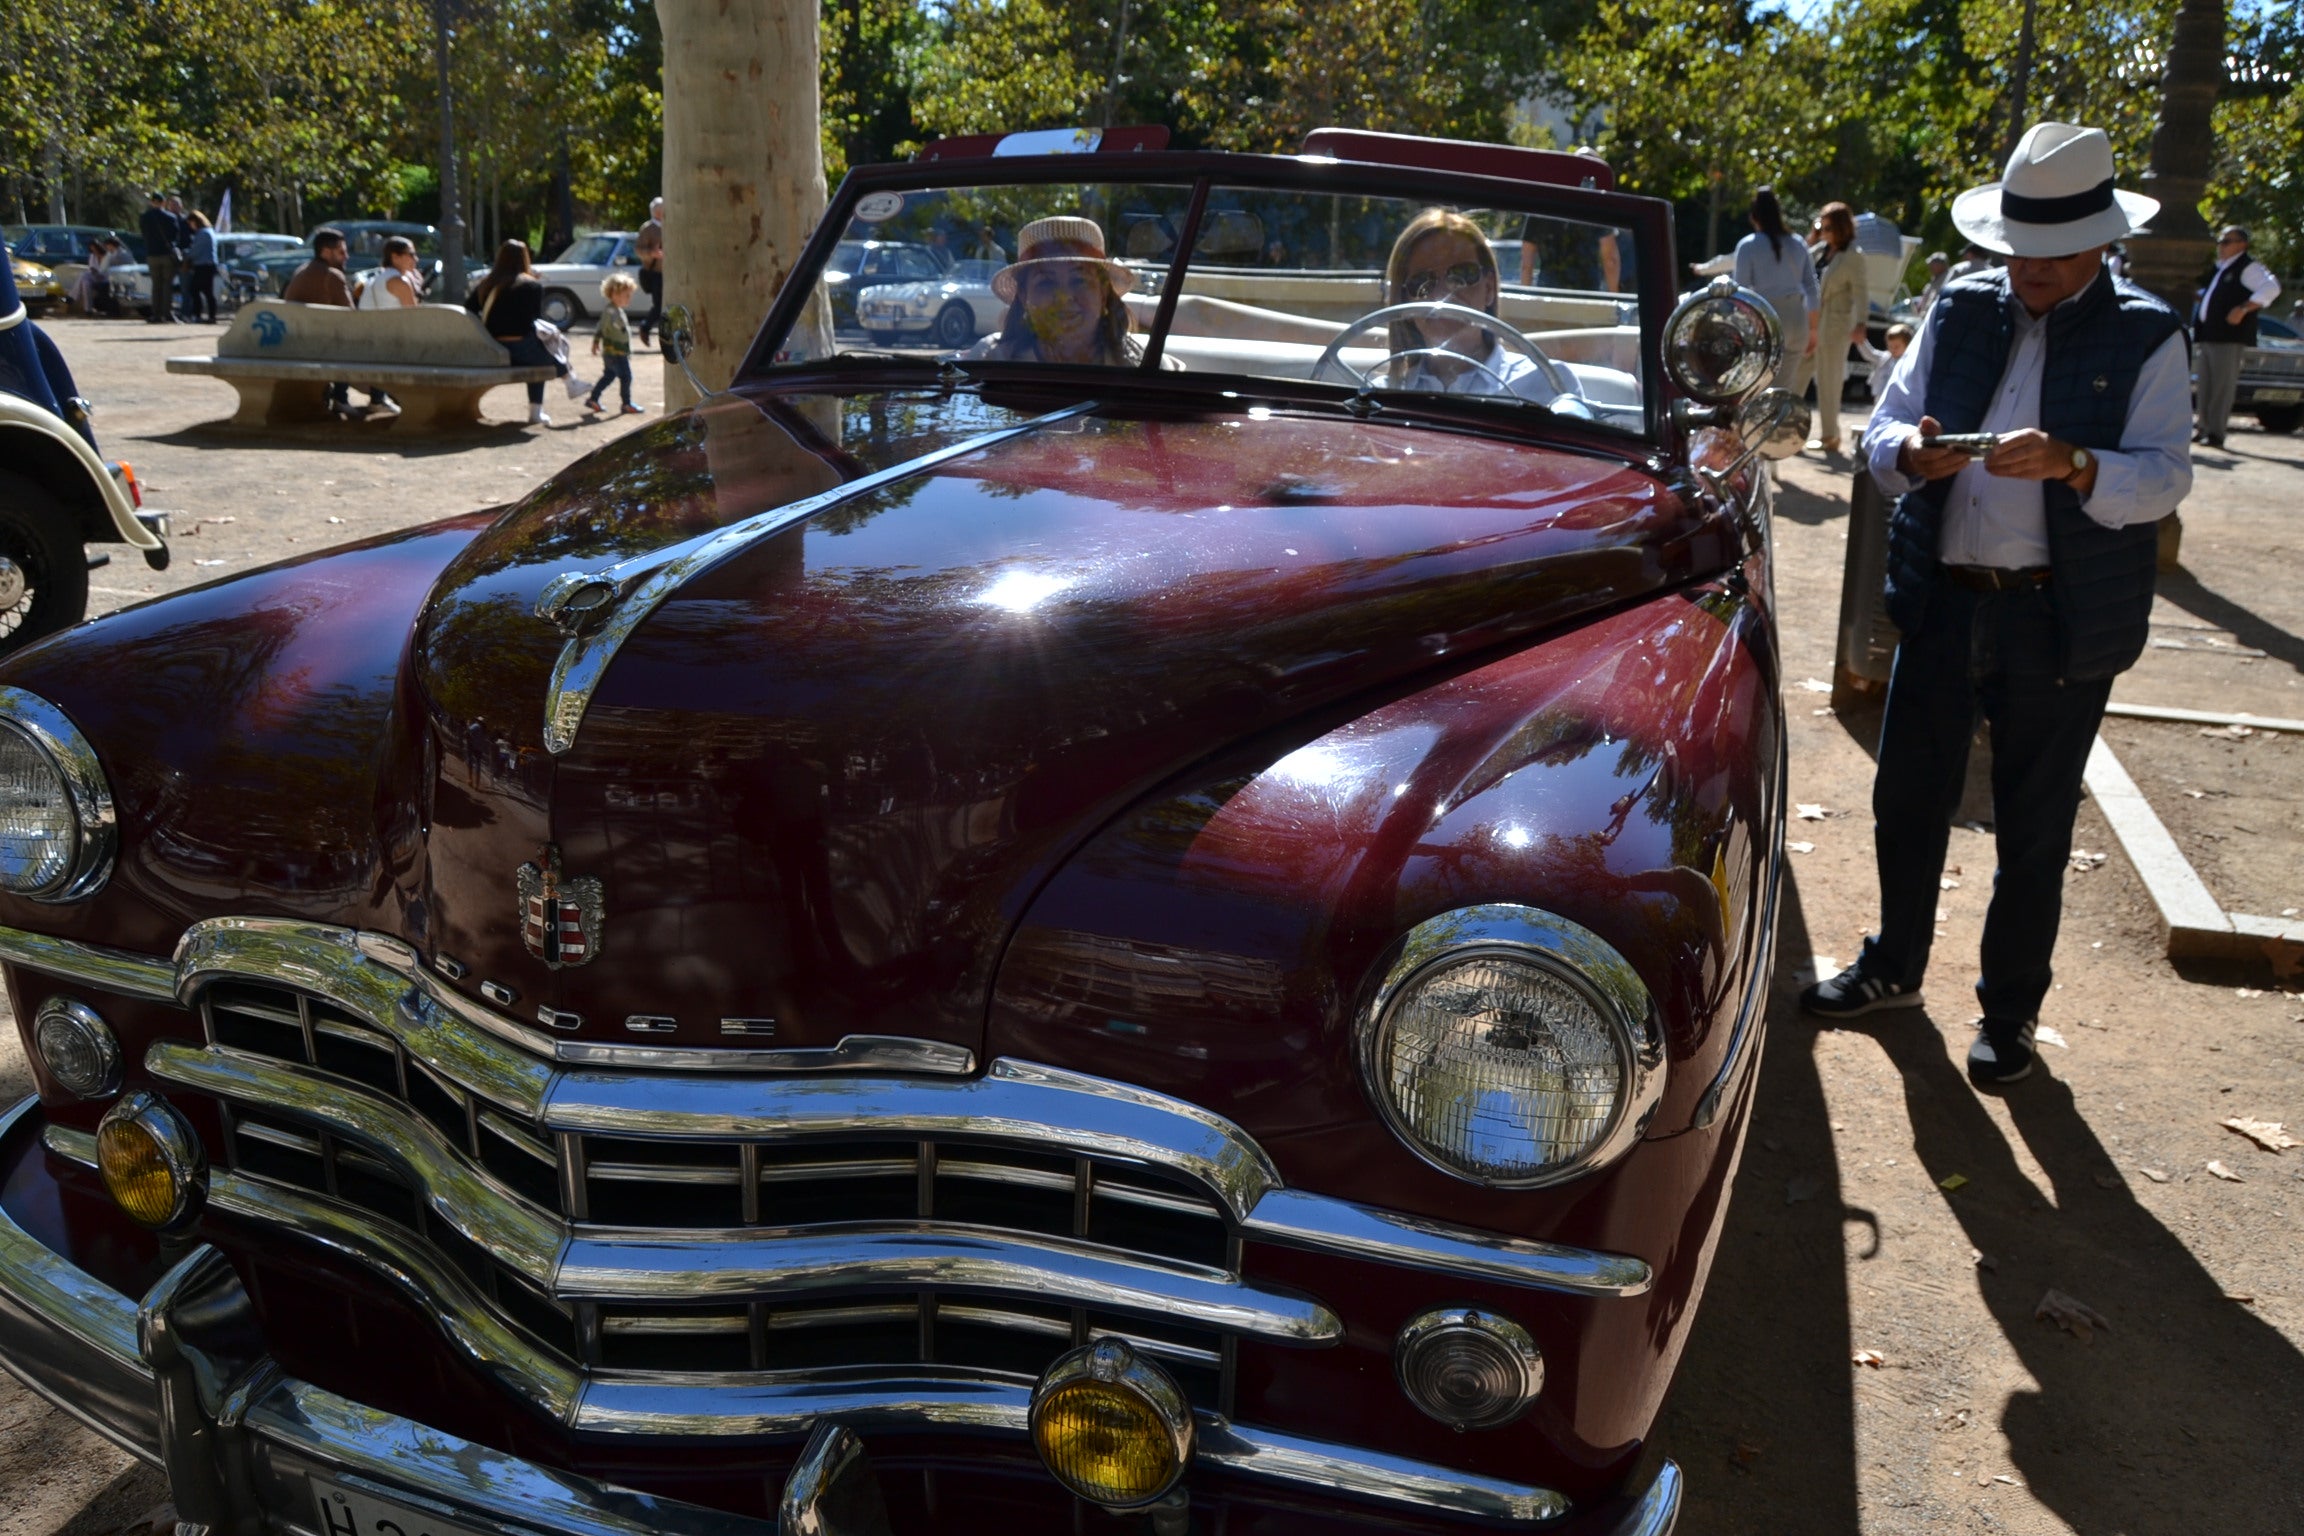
(2262, 286)
(1500, 373)
(2003, 521)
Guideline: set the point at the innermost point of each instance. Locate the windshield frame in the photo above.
(1649, 219)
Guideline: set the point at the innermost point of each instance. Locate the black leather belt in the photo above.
(1995, 578)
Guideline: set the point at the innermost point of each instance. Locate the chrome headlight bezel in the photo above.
(50, 732)
(1723, 308)
(1570, 954)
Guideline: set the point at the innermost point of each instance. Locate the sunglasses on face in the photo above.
(1419, 286)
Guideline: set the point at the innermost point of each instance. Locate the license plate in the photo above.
(2279, 396)
(356, 1512)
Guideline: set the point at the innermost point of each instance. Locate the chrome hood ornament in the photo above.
(559, 918)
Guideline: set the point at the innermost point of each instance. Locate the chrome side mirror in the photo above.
(1775, 423)
(679, 329)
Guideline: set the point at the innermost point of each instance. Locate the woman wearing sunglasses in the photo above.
(1444, 258)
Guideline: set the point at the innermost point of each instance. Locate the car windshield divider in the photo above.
(1648, 218)
(1172, 286)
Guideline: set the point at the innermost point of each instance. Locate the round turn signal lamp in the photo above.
(151, 1161)
(1468, 1369)
(78, 1049)
(1111, 1426)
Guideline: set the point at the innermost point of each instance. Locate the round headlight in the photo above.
(77, 1048)
(55, 809)
(1468, 1369)
(1111, 1426)
(1722, 342)
(151, 1161)
(1511, 1047)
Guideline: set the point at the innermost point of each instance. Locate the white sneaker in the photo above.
(537, 418)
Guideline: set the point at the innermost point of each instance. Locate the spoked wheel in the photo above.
(43, 571)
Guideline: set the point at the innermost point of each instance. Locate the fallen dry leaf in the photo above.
(1951, 1182)
(2002, 1477)
(1870, 1357)
(1943, 916)
(2271, 1135)
(1814, 685)
(2156, 1175)
(2083, 860)
(1801, 847)
(2108, 1181)
(2071, 1314)
(1744, 1455)
(2228, 732)
(1808, 812)
(1827, 709)
(2241, 1297)
(2224, 1173)
(2248, 991)
(2048, 1035)
(1947, 883)
(1983, 1260)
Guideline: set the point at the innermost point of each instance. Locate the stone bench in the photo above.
(435, 360)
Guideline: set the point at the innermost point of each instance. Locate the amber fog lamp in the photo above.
(1722, 342)
(1468, 1369)
(151, 1161)
(78, 1049)
(1112, 1427)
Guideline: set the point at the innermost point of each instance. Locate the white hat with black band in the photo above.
(2056, 199)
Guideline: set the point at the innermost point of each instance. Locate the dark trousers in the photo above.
(162, 272)
(528, 352)
(617, 366)
(200, 292)
(1994, 654)
(652, 284)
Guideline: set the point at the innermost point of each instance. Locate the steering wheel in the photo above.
(1331, 361)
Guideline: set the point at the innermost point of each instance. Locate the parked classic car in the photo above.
(862, 263)
(572, 279)
(996, 942)
(37, 287)
(57, 493)
(950, 311)
(2272, 376)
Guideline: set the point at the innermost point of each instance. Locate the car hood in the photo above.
(820, 782)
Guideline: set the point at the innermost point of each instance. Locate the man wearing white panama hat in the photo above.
(2020, 564)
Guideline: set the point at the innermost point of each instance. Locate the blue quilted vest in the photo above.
(2101, 578)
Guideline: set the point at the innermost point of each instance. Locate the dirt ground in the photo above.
(1868, 1357)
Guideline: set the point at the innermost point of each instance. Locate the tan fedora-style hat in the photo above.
(1062, 238)
(2056, 198)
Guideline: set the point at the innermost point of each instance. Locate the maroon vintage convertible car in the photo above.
(1173, 940)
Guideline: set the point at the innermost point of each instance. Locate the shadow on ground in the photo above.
(1762, 1417)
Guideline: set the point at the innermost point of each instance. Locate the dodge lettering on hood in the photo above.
(1158, 924)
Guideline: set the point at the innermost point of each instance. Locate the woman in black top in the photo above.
(509, 301)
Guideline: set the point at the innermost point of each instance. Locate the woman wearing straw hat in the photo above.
(2020, 564)
(1064, 298)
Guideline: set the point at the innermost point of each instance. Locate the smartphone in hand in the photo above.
(1974, 444)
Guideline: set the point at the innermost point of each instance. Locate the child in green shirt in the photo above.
(613, 344)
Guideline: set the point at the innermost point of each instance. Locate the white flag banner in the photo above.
(224, 213)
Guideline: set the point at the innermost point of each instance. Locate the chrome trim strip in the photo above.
(800, 1263)
(602, 609)
(1360, 1473)
(1297, 1219)
(112, 970)
(1658, 1509)
(519, 1236)
(853, 1053)
(759, 1405)
(1013, 1101)
(1749, 1017)
(97, 837)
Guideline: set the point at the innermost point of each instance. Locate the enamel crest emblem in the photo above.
(559, 918)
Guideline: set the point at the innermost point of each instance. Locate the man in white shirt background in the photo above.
(2020, 565)
(2224, 326)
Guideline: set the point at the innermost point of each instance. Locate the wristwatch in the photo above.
(2080, 463)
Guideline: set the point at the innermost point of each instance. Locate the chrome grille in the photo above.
(613, 1185)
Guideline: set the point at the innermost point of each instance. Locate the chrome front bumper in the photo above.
(179, 1378)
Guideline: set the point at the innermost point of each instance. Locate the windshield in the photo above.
(590, 251)
(1519, 308)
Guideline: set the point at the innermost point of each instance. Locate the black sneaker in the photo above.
(2002, 1053)
(1856, 991)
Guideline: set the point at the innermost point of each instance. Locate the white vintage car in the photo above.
(952, 310)
(572, 280)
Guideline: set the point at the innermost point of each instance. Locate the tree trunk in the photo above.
(2171, 259)
(743, 172)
